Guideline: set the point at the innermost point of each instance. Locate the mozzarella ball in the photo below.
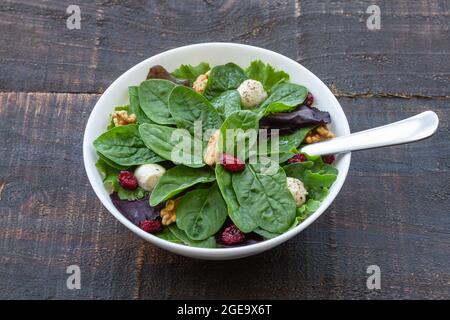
(211, 153)
(297, 190)
(252, 93)
(148, 175)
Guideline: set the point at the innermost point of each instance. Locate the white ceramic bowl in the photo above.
(215, 54)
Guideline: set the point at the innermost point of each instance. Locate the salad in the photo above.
(208, 157)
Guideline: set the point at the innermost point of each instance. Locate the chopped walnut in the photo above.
(200, 83)
(121, 118)
(168, 214)
(320, 133)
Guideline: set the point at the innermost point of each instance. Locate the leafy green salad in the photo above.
(209, 156)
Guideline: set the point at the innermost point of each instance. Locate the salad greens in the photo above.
(213, 204)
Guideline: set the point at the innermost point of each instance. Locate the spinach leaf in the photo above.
(135, 106)
(173, 144)
(256, 199)
(178, 179)
(189, 72)
(266, 234)
(111, 163)
(154, 97)
(227, 102)
(265, 74)
(238, 134)
(181, 235)
(285, 97)
(123, 145)
(167, 235)
(222, 78)
(201, 213)
(187, 107)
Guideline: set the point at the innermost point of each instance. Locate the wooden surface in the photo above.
(393, 211)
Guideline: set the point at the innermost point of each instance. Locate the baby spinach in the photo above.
(173, 144)
(182, 236)
(178, 179)
(285, 97)
(123, 145)
(189, 72)
(222, 78)
(257, 199)
(266, 234)
(154, 97)
(135, 106)
(227, 102)
(265, 74)
(201, 213)
(111, 163)
(167, 235)
(239, 131)
(187, 107)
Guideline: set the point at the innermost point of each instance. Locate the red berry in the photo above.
(127, 180)
(309, 99)
(231, 164)
(151, 226)
(297, 158)
(328, 159)
(232, 235)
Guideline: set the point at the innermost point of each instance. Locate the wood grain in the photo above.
(409, 56)
(392, 212)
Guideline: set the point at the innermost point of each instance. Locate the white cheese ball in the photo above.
(252, 93)
(211, 153)
(297, 190)
(148, 175)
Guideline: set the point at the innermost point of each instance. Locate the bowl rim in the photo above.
(215, 253)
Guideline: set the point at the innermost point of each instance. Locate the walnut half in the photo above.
(121, 118)
(168, 214)
(319, 133)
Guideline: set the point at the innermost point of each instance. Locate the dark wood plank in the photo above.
(409, 56)
(392, 211)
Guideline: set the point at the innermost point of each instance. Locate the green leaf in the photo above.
(154, 97)
(266, 234)
(109, 176)
(181, 235)
(223, 78)
(123, 145)
(176, 145)
(238, 134)
(167, 235)
(178, 179)
(201, 213)
(189, 72)
(135, 106)
(131, 195)
(188, 107)
(227, 102)
(285, 97)
(266, 74)
(257, 199)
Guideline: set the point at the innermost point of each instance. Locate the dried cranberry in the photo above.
(232, 235)
(309, 99)
(127, 180)
(151, 226)
(297, 158)
(231, 164)
(328, 159)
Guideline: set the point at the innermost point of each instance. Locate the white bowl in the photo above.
(215, 54)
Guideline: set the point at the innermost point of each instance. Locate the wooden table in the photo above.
(394, 210)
